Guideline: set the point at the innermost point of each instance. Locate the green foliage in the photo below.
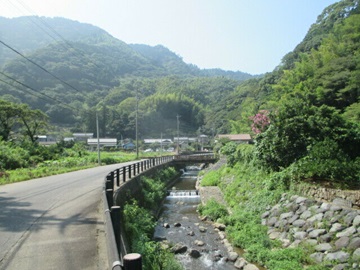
(20, 120)
(154, 191)
(12, 157)
(140, 230)
(154, 257)
(213, 210)
(244, 229)
(326, 160)
(229, 150)
(296, 127)
(212, 178)
(289, 258)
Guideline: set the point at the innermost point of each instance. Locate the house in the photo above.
(82, 137)
(237, 138)
(103, 142)
(158, 141)
(185, 141)
(45, 140)
(129, 146)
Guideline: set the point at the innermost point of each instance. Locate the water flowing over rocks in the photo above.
(331, 228)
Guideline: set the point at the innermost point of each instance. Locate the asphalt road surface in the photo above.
(54, 222)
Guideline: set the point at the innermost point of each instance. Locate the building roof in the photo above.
(102, 141)
(150, 141)
(83, 134)
(236, 137)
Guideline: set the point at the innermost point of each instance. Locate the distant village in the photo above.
(200, 143)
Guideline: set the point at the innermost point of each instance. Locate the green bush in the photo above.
(12, 156)
(138, 228)
(212, 178)
(154, 257)
(213, 210)
(229, 149)
(257, 253)
(154, 190)
(284, 265)
(244, 229)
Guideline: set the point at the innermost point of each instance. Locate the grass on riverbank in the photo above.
(248, 191)
(139, 223)
(67, 164)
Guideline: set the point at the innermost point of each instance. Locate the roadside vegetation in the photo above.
(140, 230)
(248, 190)
(29, 160)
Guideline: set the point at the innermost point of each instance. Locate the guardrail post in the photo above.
(117, 177)
(109, 183)
(138, 167)
(142, 166)
(110, 196)
(129, 171)
(132, 261)
(115, 219)
(124, 174)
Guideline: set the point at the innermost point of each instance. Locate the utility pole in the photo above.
(136, 125)
(178, 124)
(161, 145)
(98, 139)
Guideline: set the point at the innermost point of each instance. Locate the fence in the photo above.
(112, 213)
(114, 179)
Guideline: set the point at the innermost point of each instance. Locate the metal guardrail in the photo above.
(112, 248)
(112, 213)
(208, 156)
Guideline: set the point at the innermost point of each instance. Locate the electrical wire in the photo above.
(36, 64)
(34, 90)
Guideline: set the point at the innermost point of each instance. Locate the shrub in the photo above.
(12, 157)
(213, 210)
(284, 259)
(154, 257)
(153, 191)
(244, 229)
(229, 150)
(212, 178)
(138, 228)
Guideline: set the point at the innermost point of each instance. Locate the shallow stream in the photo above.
(180, 207)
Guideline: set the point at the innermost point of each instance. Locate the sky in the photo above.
(251, 36)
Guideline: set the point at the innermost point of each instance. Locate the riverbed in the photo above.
(185, 227)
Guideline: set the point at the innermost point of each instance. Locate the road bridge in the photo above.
(200, 157)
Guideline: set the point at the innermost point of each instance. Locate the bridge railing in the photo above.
(113, 180)
(112, 213)
(202, 156)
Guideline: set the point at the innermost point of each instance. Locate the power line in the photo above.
(30, 93)
(38, 92)
(34, 63)
(35, 17)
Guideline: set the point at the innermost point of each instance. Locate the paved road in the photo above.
(54, 222)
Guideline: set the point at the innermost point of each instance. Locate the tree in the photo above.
(34, 122)
(298, 125)
(8, 118)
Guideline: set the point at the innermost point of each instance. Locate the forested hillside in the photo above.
(305, 115)
(305, 121)
(69, 70)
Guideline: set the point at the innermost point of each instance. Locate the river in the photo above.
(180, 208)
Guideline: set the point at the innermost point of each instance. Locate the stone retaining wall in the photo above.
(329, 194)
(332, 229)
